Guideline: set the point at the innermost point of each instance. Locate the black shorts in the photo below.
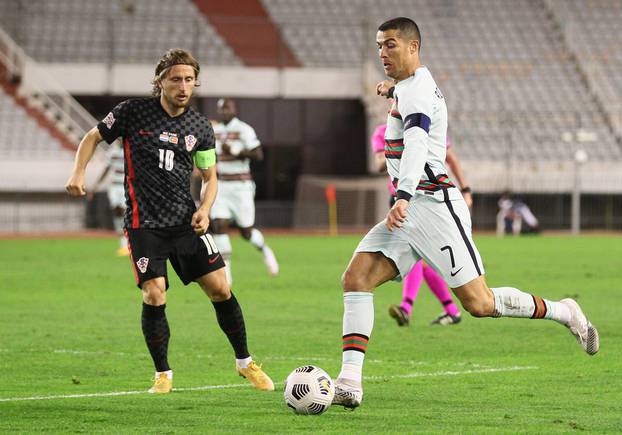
(190, 255)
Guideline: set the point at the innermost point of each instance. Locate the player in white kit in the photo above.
(236, 145)
(428, 221)
(116, 192)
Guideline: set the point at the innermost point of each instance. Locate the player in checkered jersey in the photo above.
(163, 139)
(236, 146)
(116, 192)
(429, 220)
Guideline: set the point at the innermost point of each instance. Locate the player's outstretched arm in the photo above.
(75, 185)
(209, 188)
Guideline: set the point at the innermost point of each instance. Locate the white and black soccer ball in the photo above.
(309, 390)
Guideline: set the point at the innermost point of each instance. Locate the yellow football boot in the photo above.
(162, 384)
(123, 252)
(256, 376)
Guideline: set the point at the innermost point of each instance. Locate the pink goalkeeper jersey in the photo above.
(377, 146)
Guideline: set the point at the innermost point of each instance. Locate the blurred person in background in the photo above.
(236, 145)
(526, 221)
(515, 217)
(164, 139)
(115, 191)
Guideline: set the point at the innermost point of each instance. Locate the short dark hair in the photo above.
(406, 27)
(175, 56)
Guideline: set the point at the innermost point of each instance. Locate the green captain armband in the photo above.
(205, 159)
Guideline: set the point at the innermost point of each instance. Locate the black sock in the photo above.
(231, 321)
(157, 334)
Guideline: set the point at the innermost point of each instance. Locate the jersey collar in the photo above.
(157, 101)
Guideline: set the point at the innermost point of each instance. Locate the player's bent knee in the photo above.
(221, 293)
(352, 281)
(153, 294)
(476, 298)
(476, 308)
(482, 306)
(215, 286)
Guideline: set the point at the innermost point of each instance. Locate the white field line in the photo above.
(266, 358)
(119, 393)
(221, 387)
(451, 373)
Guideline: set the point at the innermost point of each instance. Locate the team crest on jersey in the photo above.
(190, 142)
(142, 264)
(109, 120)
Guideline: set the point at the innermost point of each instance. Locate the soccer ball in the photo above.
(309, 390)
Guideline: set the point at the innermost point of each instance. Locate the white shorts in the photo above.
(438, 230)
(235, 200)
(116, 196)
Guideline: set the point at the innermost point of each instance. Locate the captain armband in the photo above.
(205, 159)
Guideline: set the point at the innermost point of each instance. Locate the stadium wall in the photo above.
(299, 136)
(258, 82)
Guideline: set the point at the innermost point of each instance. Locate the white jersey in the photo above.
(437, 227)
(241, 137)
(116, 161)
(416, 136)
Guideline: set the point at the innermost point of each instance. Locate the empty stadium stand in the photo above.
(249, 30)
(21, 137)
(591, 29)
(125, 31)
(513, 89)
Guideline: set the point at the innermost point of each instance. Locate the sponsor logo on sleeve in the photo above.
(109, 120)
(190, 142)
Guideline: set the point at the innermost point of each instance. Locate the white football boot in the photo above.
(348, 394)
(585, 333)
(270, 260)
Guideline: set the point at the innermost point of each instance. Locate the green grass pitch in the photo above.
(70, 316)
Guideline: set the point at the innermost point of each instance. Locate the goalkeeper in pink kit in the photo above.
(420, 271)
